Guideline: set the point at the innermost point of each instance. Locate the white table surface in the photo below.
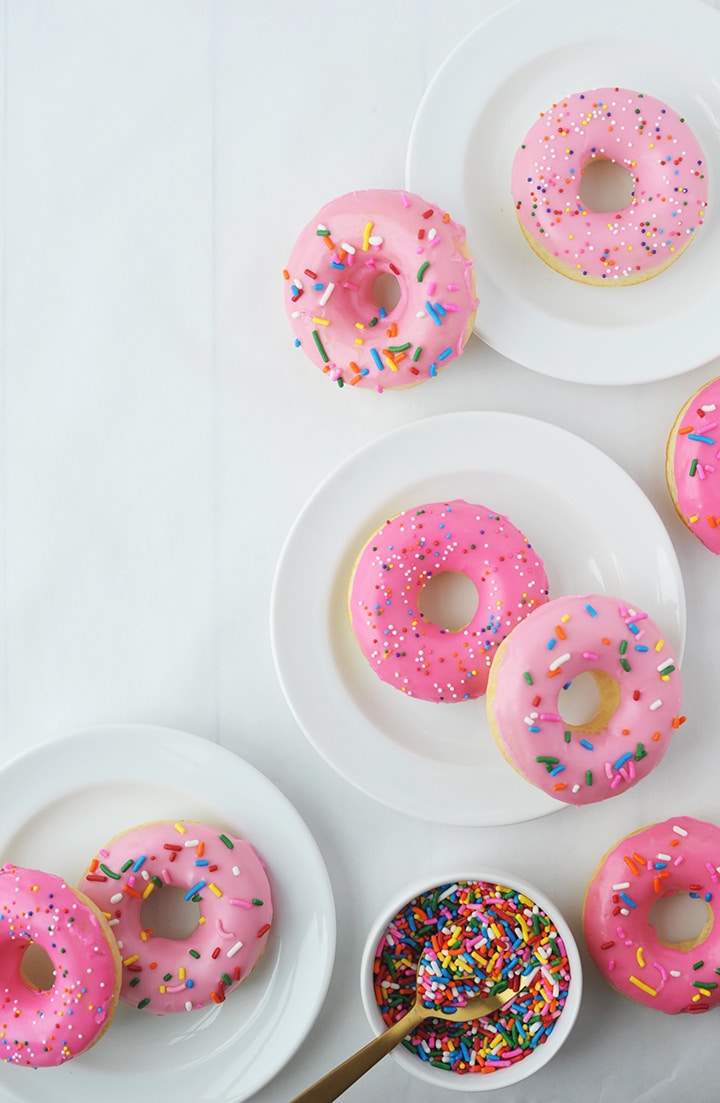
(159, 434)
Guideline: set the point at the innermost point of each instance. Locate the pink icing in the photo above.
(406, 650)
(695, 464)
(680, 855)
(49, 1026)
(567, 637)
(222, 874)
(669, 184)
(331, 283)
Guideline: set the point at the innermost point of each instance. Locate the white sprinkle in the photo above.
(674, 973)
(679, 830)
(375, 240)
(665, 857)
(234, 949)
(709, 408)
(655, 705)
(559, 661)
(192, 842)
(188, 1005)
(664, 663)
(327, 293)
(236, 871)
(116, 898)
(295, 314)
(348, 248)
(621, 885)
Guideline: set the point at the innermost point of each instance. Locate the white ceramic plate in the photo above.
(64, 799)
(594, 528)
(473, 117)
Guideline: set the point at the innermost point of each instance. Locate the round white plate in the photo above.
(63, 800)
(593, 527)
(472, 119)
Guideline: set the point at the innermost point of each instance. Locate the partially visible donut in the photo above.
(333, 289)
(219, 874)
(692, 465)
(679, 856)
(669, 186)
(405, 649)
(42, 1026)
(639, 689)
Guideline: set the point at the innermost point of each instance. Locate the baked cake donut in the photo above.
(334, 289)
(639, 689)
(219, 876)
(692, 462)
(403, 647)
(669, 186)
(680, 855)
(42, 1026)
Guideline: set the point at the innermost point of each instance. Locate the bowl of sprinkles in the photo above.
(449, 937)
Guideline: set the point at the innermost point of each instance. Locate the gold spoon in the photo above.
(339, 1079)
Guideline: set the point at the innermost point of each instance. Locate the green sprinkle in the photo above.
(194, 953)
(168, 976)
(256, 902)
(698, 965)
(323, 233)
(528, 678)
(640, 752)
(568, 737)
(705, 984)
(109, 872)
(134, 982)
(588, 777)
(625, 664)
(416, 354)
(320, 346)
(128, 865)
(144, 1003)
(422, 270)
(693, 468)
(623, 647)
(399, 348)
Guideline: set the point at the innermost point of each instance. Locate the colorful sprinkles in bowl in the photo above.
(461, 939)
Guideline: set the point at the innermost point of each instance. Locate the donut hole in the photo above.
(36, 968)
(681, 921)
(606, 185)
(589, 701)
(386, 291)
(169, 915)
(449, 599)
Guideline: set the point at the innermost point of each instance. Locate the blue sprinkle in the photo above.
(587, 744)
(139, 862)
(698, 436)
(444, 354)
(551, 644)
(557, 769)
(378, 362)
(622, 760)
(634, 629)
(591, 611)
(429, 307)
(440, 309)
(297, 342)
(630, 902)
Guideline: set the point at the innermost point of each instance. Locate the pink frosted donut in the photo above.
(692, 467)
(220, 874)
(402, 647)
(669, 186)
(339, 262)
(47, 1026)
(681, 855)
(639, 689)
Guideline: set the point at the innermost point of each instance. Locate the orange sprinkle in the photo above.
(561, 633)
(329, 242)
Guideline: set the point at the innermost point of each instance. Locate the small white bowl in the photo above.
(501, 1077)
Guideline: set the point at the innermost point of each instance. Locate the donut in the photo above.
(403, 647)
(692, 461)
(367, 247)
(679, 855)
(638, 685)
(668, 179)
(216, 874)
(46, 1026)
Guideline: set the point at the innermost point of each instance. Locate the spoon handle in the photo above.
(339, 1079)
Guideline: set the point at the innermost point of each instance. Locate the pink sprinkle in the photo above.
(350, 286)
(616, 781)
(611, 964)
(551, 716)
(104, 853)
(453, 287)
(590, 655)
(165, 874)
(660, 970)
(435, 241)
(432, 288)
(451, 307)
(241, 903)
(404, 200)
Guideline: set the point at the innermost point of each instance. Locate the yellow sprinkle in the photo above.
(215, 889)
(181, 973)
(645, 987)
(366, 236)
(694, 519)
(131, 960)
(640, 958)
(163, 989)
(179, 827)
(201, 919)
(148, 890)
(704, 991)
(565, 618)
(359, 325)
(321, 321)
(359, 341)
(659, 645)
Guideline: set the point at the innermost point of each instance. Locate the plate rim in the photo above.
(166, 739)
(410, 807)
